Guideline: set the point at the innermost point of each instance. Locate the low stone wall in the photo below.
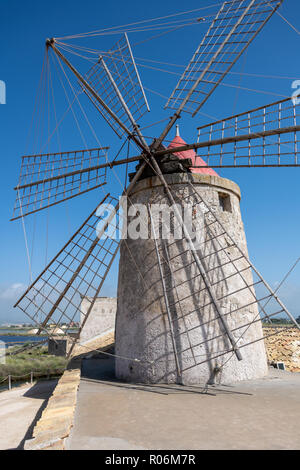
(284, 346)
(56, 421)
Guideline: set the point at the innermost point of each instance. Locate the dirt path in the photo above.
(19, 409)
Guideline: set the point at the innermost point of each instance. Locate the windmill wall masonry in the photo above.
(142, 330)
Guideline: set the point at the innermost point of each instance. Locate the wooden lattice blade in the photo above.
(49, 179)
(118, 65)
(78, 271)
(265, 136)
(234, 28)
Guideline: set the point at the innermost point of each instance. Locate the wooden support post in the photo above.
(179, 372)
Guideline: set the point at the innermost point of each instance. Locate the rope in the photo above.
(240, 81)
(127, 164)
(287, 21)
(165, 32)
(37, 98)
(100, 52)
(155, 123)
(126, 358)
(288, 273)
(239, 87)
(230, 72)
(25, 238)
(254, 90)
(38, 112)
(68, 99)
(33, 373)
(19, 376)
(4, 379)
(155, 27)
(141, 22)
(63, 116)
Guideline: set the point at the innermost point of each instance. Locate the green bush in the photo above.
(37, 360)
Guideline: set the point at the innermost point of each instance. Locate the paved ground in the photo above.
(262, 414)
(19, 410)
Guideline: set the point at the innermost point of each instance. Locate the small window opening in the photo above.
(225, 203)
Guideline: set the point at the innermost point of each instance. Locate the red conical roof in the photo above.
(196, 160)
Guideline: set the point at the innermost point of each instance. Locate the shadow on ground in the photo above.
(40, 390)
(101, 369)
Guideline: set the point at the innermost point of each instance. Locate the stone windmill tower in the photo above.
(168, 283)
(190, 303)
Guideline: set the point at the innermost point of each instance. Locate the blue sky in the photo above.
(270, 197)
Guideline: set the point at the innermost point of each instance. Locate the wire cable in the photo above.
(141, 22)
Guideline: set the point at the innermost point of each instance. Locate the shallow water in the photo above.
(19, 339)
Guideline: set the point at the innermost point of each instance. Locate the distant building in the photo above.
(55, 331)
(100, 320)
(33, 331)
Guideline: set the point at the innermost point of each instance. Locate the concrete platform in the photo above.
(260, 414)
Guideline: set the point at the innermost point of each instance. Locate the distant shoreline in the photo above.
(28, 332)
(20, 334)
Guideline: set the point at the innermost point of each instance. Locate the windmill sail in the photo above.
(48, 179)
(234, 28)
(78, 270)
(116, 81)
(265, 136)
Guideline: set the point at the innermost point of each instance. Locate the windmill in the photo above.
(261, 137)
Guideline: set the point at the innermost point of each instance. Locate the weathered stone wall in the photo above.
(101, 318)
(142, 329)
(56, 421)
(284, 346)
(57, 346)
